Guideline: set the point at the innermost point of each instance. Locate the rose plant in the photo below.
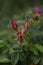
(25, 46)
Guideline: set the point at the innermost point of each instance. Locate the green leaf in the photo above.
(5, 50)
(41, 61)
(33, 49)
(35, 59)
(39, 47)
(4, 59)
(2, 43)
(11, 50)
(14, 58)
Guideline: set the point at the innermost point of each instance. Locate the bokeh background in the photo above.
(13, 8)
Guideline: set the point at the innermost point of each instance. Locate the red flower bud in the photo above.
(19, 36)
(23, 30)
(27, 23)
(36, 16)
(14, 24)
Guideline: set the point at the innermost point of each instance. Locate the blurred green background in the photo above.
(11, 8)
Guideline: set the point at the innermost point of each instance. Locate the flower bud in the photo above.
(19, 36)
(27, 23)
(23, 30)
(36, 16)
(14, 24)
(37, 9)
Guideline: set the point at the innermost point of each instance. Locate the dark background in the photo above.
(10, 7)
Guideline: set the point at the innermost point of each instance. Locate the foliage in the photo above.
(24, 43)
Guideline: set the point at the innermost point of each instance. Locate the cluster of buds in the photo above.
(23, 29)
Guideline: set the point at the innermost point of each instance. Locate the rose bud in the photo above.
(19, 36)
(36, 16)
(23, 30)
(14, 24)
(37, 9)
(27, 23)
